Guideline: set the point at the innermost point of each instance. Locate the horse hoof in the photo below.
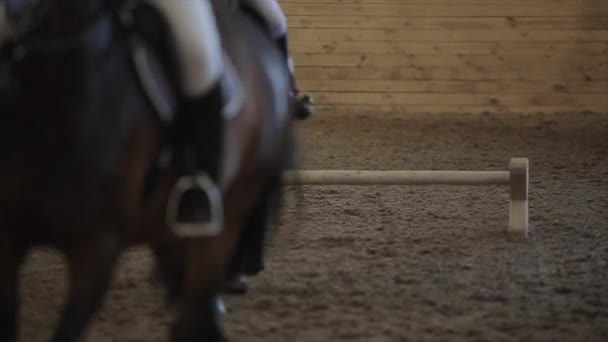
(237, 286)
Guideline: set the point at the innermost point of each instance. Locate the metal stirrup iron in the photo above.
(201, 181)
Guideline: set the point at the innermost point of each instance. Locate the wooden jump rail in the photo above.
(517, 177)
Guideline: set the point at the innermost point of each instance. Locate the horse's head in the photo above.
(22, 18)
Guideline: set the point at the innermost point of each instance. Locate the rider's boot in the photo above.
(199, 132)
(304, 102)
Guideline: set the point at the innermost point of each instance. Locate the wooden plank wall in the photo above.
(523, 56)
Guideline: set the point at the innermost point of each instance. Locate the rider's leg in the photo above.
(275, 19)
(208, 97)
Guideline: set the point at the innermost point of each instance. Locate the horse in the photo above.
(89, 167)
(185, 264)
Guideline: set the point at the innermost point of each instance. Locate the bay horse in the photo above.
(84, 168)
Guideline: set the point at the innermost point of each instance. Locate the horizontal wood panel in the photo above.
(448, 23)
(596, 9)
(477, 87)
(388, 48)
(451, 55)
(454, 73)
(464, 99)
(449, 60)
(402, 35)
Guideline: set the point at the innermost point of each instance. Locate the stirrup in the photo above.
(202, 182)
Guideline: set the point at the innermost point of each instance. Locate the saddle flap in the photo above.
(154, 80)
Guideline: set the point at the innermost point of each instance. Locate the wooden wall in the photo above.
(522, 56)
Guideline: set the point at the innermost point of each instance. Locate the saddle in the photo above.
(150, 43)
(155, 66)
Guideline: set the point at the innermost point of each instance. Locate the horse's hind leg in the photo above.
(91, 265)
(11, 257)
(249, 259)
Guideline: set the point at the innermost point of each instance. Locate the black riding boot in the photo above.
(198, 134)
(304, 102)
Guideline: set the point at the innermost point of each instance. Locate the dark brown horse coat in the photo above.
(78, 140)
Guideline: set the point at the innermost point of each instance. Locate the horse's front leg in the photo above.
(11, 258)
(207, 263)
(91, 265)
(199, 321)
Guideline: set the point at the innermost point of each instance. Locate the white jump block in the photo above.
(516, 177)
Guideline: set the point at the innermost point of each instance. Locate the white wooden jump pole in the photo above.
(517, 177)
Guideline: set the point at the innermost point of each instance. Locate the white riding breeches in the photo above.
(199, 48)
(272, 13)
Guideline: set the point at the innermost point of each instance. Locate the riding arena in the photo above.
(451, 185)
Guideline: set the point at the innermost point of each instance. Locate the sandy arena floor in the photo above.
(405, 263)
